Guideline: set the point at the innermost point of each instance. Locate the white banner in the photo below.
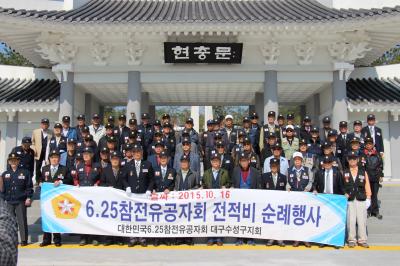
(263, 214)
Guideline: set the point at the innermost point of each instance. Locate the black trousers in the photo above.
(374, 208)
(38, 169)
(19, 210)
(47, 238)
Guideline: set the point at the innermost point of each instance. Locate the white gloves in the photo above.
(128, 191)
(367, 203)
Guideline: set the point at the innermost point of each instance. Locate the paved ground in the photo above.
(384, 238)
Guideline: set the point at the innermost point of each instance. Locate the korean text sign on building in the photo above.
(261, 214)
(213, 53)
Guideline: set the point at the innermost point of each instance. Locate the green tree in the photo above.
(9, 57)
(390, 57)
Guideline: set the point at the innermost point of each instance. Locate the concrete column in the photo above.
(252, 109)
(195, 114)
(134, 95)
(152, 111)
(339, 105)
(208, 114)
(259, 106)
(67, 94)
(145, 103)
(11, 132)
(270, 93)
(88, 106)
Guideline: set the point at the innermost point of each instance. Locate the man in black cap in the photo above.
(277, 154)
(87, 174)
(194, 157)
(255, 133)
(290, 121)
(168, 139)
(193, 135)
(332, 137)
(26, 155)
(230, 132)
(273, 180)
(245, 176)
(81, 123)
(110, 132)
(57, 142)
(314, 144)
(164, 181)
(40, 139)
(111, 176)
(374, 132)
(204, 146)
(226, 159)
(57, 174)
(111, 120)
(71, 154)
(328, 179)
(305, 130)
(154, 158)
(342, 142)
(104, 157)
(253, 157)
(68, 131)
(327, 151)
(96, 129)
(326, 126)
(122, 131)
(270, 142)
(16, 190)
(186, 179)
(80, 143)
(138, 178)
(373, 164)
(281, 122)
(270, 126)
(146, 129)
(357, 128)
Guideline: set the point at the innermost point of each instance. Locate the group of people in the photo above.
(151, 157)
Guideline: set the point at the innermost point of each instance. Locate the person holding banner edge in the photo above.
(57, 174)
(138, 178)
(274, 180)
(245, 177)
(300, 179)
(215, 178)
(164, 181)
(87, 174)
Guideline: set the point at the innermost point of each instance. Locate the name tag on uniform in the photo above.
(7, 176)
(139, 130)
(115, 131)
(281, 184)
(339, 151)
(47, 173)
(73, 172)
(237, 149)
(79, 144)
(227, 161)
(157, 173)
(291, 175)
(21, 177)
(145, 170)
(80, 169)
(305, 177)
(139, 139)
(170, 177)
(52, 141)
(346, 174)
(122, 163)
(60, 177)
(377, 133)
(18, 152)
(362, 177)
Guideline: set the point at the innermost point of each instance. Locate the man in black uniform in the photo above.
(16, 188)
(164, 181)
(122, 131)
(57, 174)
(109, 133)
(26, 155)
(138, 178)
(326, 122)
(305, 130)
(146, 130)
(87, 174)
(111, 176)
(80, 125)
(273, 180)
(342, 142)
(255, 133)
(374, 132)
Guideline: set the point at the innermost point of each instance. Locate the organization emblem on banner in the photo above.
(65, 206)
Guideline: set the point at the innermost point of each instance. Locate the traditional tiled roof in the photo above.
(373, 90)
(37, 90)
(96, 11)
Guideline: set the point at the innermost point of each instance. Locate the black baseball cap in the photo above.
(26, 140)
(80, 117)
(185, 158)
(13, 155)
(343, 124)
(326, 144)
(110, 118)
(71, 140)
(307, 118)
(254, 115)
(189, 120)
(290, 116)
(355, 139)
(357, 122)
(145, 116)
(281, 117)
(215, 156)
(327, 159)
(165, 115)
(122, 117)
(57, 125)
(326, 119)
(115, 154)
(45, 121)
(137, 147)
(274, 161)
(96, 116)
(371, 117)
(87, 150)
(368, 140)
(66, 118)
(332, 132)
(105, 150)
(109, 125)
(271, 114)
(54, 152)
(352, 154)
(132, 121)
